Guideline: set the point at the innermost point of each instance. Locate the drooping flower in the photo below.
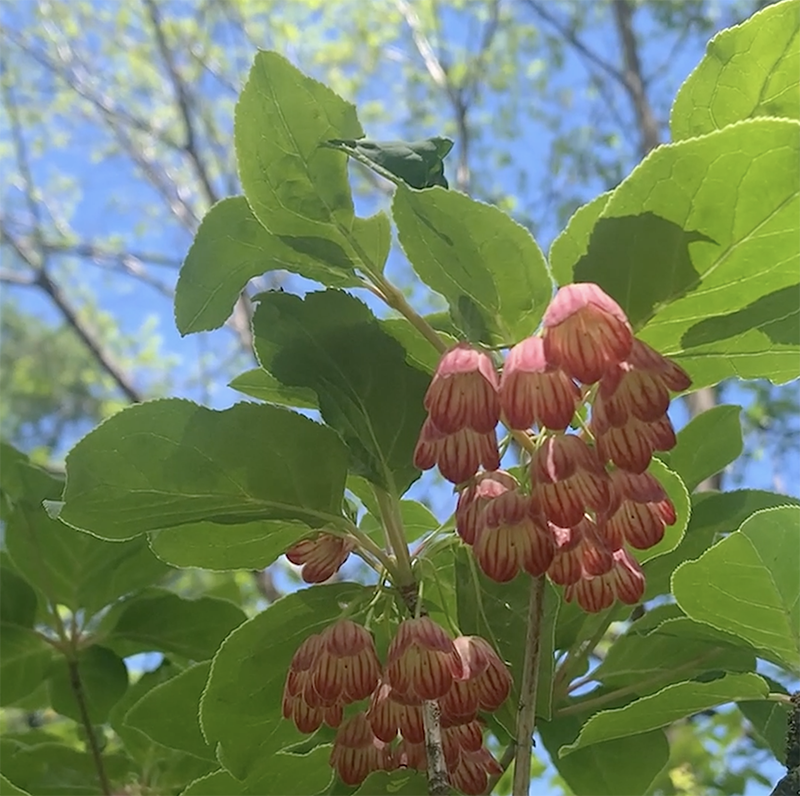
(586, 332)
(422, 661)
(631, 446)
(388, 715)
(458, 455)
(485, 684)
(511, 537)
(346, 667)
(567, 479)
(357, 752)
(473, 770)
(321, 556)
(625, 581)
(463, 392)
(534, 392)
(473, 498)
(411, 755)
(640, 510)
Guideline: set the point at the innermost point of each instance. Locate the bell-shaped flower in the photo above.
(586, 333)
(580, 551)
(533, 392)
(485, 684)
(625, 581)
(460, 738)
(473, 499)
(422, 661)
(357, 752)
(640, 510)
(321, 556)
(411, 755)
(472, 772)
(388, 715)
(568, 479)
(463, 392)
(631, 446)
(457, 455)
(346, 668)
(511, 537)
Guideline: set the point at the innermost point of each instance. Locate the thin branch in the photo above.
(432, 62)
(526, 712)
(94, 747)
(15, 278)
(438, 784)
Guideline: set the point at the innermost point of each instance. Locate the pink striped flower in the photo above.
(357, 752)
(320, 557)
(625, 581)
(388, 715)
(631, 446)
(473, 499)
(457, 455)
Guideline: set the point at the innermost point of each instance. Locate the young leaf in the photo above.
(676, 243)
(171, 462)
(24, 660)
(258, 383)
(674, 702)
(104, 680)
(160, 620)
(748, 583)
(209, 545)
(168, 713)
(707, 444)
(621, 767)
(231, 248)
(331, 343)
(748, 70)
(487, 266)
(241, 707)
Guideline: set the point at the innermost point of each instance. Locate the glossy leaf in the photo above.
(24, 660)
(168, 713)
(241, 706)
(104, 680)
(257, 383)
(331, 343)
(748, 70)
(489, 268)
(674, 702)
(707, 444)
(619, 767)
(694, 217)
(166, 622)
(220, 547)
(748, 583)
(171, 462)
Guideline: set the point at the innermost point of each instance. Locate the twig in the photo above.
(526, 713)
(438, 784)
(94, 748)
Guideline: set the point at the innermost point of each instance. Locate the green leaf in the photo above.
(76, 569)
(160, 620)
(258, 383)
(294, 775)
(372, 239)
(573, 242)
(487, 266)
(217, 783)
(231, 248)
(417, 521)
(104, 680)
(9, 789)
(24, 660)
(330, 342)
(419, 164)
(297, 188)
(749, 70)
(419, 352)
(171, 462)
(499, 613)
(241, 706)
(403, 782)
(168, 713)
(770, 720)
(707, 444)
(620, 767)
(17, 599)
(713, 513)
(219, 547)
(677, 242)
(674, 702)
(748, 584)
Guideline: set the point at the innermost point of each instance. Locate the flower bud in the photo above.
(320, 557)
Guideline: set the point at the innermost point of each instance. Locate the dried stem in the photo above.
(526, 713)
(434, 750)
(94, 747)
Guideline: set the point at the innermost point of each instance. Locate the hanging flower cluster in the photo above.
(340, 666)
(588, 495)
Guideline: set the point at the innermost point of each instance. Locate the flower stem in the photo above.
(94, 747)
(393, 525)
(526, 713)
(434, 750)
